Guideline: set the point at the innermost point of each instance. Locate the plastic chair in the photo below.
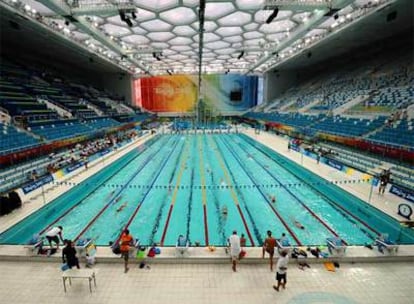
(336, 245)
(182, 245)
(383, 242)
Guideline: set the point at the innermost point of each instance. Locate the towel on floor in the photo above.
(329, 266)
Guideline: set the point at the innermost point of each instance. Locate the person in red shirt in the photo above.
(126, 240)
(269, 247)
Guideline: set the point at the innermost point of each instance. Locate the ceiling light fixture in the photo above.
(272, 15)
(129, 22)
(125, 18)
(122, 15)
(156, 56)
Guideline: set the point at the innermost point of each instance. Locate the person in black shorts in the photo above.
(384, 180)
(53, 235)
(281, 269)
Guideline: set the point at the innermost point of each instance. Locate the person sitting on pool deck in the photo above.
(283, 243)
(284, 240)
(69, 255)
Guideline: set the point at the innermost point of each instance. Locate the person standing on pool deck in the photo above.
(125, 242)
(234, 241)
(269, 247)
(53, 235)
(281, 269)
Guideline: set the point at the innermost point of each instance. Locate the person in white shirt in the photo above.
(53, 235)
(281, 269)
(235, 248)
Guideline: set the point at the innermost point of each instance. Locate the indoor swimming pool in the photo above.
(204, 186)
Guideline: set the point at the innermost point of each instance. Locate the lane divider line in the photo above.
(149, 188)
(203, 190)
(232, 192)
(174, 196)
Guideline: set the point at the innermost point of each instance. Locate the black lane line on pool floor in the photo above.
(203, 190)
(174, 194)
(226, 169)
(146, 162)
(221, 220)
(294, 195)
(264, 195)
(336, 206)
(146, 146)
(150, 187)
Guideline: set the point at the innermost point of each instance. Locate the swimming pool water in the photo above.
(179, 184)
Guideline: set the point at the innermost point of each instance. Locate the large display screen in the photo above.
(179, 93)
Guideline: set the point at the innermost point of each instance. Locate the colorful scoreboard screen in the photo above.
(179, 93)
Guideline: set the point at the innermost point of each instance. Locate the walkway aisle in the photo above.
(209, 284)
(388, 202)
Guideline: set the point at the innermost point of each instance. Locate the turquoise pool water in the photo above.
(179, 184)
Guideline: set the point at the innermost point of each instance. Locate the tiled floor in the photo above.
(209, 283)
(41, 282)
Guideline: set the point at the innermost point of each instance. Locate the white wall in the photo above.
(275, 83)
(119, 83)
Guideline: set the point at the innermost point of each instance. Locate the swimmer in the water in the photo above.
(272, 198)
(122, 207)
(111, 193)
(118, 199)
(224, 210)
(298, 224)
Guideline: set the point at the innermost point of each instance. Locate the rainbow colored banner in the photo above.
(176, 93)
(179, 93)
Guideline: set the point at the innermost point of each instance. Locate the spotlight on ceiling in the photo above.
(122, 15)
(272, 15)
(129, 22)
(125, 18)
(241, 55)
(156, 56)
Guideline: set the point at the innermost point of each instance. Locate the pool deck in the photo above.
(387, 203)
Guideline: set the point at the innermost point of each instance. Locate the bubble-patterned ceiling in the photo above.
(163, 36)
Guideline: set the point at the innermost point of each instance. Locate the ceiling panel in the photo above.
(165, 33)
